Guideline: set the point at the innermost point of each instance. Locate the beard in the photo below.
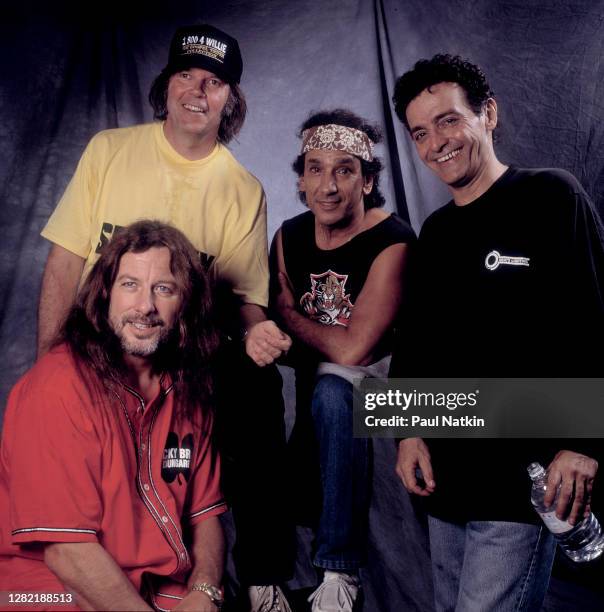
(141, 347)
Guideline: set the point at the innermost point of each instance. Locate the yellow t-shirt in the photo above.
(133, 173)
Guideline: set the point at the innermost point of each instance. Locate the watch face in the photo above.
(214, 593)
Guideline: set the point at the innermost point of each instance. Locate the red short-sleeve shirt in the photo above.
(78, 468)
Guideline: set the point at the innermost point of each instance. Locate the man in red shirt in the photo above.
(109, 486)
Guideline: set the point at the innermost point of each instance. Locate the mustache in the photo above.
(144, 320)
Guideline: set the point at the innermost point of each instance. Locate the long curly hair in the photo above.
(442, 68)
(187, 352)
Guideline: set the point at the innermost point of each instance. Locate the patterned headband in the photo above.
(338, 138)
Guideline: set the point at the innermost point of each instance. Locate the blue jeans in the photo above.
(490, 565)
(341, 539)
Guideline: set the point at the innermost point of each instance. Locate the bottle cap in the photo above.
(535, 470)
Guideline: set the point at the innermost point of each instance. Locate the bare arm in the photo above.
(88, 570)
(264, 341)
(374, 311)
(208, 562)
(59, 286)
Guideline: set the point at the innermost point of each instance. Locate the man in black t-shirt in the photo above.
(508, 282)
(338, 275)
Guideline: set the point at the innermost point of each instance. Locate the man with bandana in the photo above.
(337, 284)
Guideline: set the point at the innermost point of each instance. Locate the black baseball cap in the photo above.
(204, 46)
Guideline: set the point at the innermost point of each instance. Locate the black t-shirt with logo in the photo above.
(509, 285)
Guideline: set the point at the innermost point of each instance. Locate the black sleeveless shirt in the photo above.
(326, 283)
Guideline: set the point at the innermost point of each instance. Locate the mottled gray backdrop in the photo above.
(68, 72)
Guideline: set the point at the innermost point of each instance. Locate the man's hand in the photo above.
(265, 342)
(575, 474)
(196, 601)
(412, 454)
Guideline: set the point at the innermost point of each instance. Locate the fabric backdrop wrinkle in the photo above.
(69, 71)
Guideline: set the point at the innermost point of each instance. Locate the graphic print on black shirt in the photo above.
(327, 301)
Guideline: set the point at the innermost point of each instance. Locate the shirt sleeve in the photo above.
(245, 268)
(205, 497)
(53, 460)
(70, 223)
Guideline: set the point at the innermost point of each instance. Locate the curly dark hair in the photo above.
(233, 113)
(342, 116)
(187, 353)
(442, 68)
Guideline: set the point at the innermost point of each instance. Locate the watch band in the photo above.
(212, 591)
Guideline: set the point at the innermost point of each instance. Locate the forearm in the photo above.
(59, 286)
(251, 314)
(207, 552)
(337, 343)
(88, 570)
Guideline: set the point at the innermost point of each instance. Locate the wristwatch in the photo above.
(213, 592)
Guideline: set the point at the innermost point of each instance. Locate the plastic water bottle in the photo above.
(581, 542)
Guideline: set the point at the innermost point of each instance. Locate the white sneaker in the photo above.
(337, 593)
(267, 599)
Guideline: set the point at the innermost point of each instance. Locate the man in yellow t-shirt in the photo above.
(178, 170)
